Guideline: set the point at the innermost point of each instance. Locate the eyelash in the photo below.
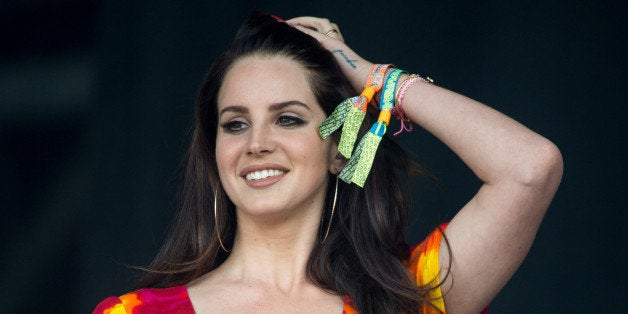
(291, 121)
(236, 126)
(233, 126)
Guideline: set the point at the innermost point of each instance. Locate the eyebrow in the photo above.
(274, 107)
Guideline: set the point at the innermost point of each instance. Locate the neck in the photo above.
(274, 251)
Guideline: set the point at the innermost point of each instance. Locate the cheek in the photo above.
(312, 151)
(227, 151)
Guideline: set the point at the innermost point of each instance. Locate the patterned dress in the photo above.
(422, 265)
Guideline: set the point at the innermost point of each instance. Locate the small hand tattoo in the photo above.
(342, 53)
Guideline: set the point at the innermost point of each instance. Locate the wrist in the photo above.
(360, 75)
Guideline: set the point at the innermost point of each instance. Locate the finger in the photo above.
(321, 25)
(327, 41)
(311, 22)
(334, 33)
(338, 33)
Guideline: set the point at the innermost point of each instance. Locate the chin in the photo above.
(263, 210)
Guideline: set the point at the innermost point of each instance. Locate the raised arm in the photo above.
(520, 170)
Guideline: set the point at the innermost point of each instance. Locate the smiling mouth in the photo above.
(263, 174)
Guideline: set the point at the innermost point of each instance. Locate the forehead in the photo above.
(263, 79)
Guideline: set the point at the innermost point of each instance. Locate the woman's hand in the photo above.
(355, 68)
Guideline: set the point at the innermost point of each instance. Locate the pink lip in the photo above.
(263, 183)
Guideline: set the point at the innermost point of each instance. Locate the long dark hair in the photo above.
(363, 254)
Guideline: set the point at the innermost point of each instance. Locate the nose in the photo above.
(261, 141)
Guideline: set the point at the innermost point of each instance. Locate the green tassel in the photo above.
(359, 166)
(349, 115)
(350, 131)
(335, 120)
(346, 174)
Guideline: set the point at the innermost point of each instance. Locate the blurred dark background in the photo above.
(96, 102)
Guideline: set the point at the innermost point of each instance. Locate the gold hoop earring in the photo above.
(333, 209)
(216, 222)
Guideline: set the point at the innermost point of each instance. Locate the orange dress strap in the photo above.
(424, 268)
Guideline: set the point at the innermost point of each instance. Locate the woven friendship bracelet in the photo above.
(405, 85)
(397, 111)
(350, 113)
(359, 166)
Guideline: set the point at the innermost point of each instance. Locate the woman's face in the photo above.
(271, 160)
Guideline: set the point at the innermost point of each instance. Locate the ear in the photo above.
(336, 161)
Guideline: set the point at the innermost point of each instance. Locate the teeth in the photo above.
(258, 175)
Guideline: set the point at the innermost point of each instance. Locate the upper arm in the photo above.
(491, 235)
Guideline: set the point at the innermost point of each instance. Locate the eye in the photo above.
(234, 126)
(286, 120)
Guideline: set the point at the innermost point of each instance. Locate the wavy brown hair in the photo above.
(363, 255)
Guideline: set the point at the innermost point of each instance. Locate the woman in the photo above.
(266, 226)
